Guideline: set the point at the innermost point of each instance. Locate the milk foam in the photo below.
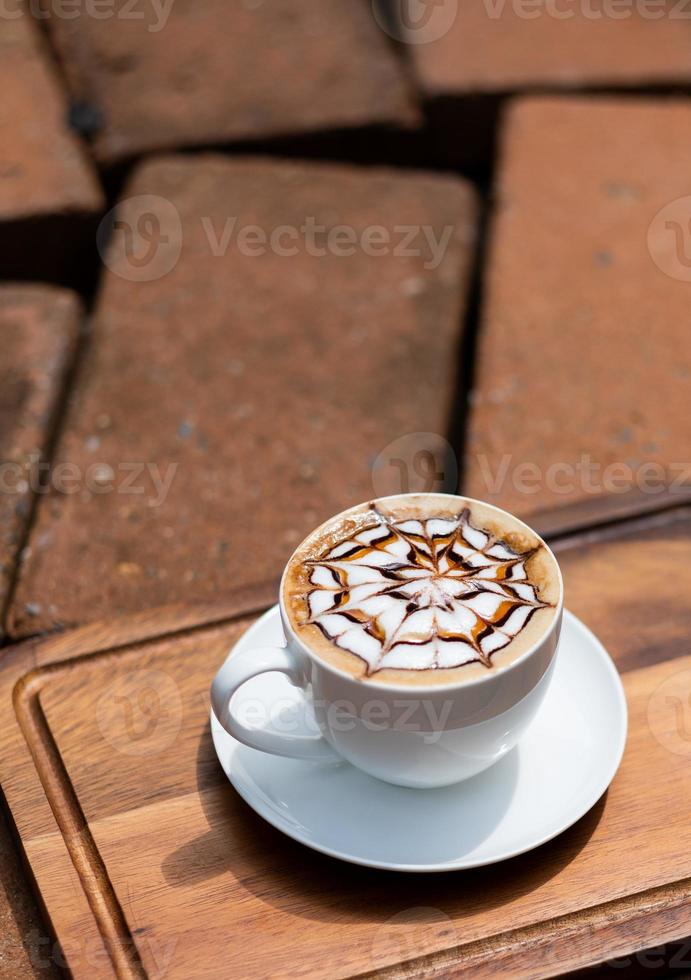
(421, 594)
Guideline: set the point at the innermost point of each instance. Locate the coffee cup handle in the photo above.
(236, 671)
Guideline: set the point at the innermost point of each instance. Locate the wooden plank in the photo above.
(212, 854)
(604, 510)
(53, 834)
(631, 583)
(177, 874)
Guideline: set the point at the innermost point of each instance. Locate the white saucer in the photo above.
(562, 766)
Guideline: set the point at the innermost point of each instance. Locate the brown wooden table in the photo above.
(149, 864)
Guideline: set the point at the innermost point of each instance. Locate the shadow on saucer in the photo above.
(289, 876)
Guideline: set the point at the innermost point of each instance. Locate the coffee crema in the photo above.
(421, 589)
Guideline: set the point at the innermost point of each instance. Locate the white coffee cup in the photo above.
(416, 736)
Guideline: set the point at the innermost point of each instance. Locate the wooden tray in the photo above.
(148, 864)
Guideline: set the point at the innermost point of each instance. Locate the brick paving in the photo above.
(495, 48)
(583, 357)
(46, 180)
(39, 327)
(210, 71)
(505, 46)
(270, 381)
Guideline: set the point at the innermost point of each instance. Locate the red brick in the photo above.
(219, 71)
(584, 343)
(272, 381)
(47, 186)
(483, 52)
(491, 50)
(38, 327)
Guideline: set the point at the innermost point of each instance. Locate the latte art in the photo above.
(418, 594)
(421, 592)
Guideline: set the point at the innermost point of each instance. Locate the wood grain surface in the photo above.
(150, 865)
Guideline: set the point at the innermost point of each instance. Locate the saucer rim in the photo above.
(267, 813)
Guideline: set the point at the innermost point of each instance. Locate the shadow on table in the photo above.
(290, 876)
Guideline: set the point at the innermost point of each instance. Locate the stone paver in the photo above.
(38, 329)
(498, 46)
(210, 71)
(584, 365)
(44, 173)
(264, 386)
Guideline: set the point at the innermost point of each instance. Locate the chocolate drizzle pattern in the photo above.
(421, 594)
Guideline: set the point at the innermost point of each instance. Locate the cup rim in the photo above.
(421, 688)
